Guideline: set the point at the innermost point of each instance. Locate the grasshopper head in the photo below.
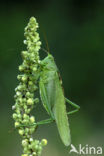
(49, 62)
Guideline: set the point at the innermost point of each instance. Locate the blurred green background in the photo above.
(75, 34)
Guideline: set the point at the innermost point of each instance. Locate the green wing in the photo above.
(60, 114)
(54, 102)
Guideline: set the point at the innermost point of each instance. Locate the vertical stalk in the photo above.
(25, 98)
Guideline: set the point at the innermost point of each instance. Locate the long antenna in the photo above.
(44, 34)
(45, 50)
(45, 38)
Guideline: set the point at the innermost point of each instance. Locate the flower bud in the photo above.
(34, 154)
(30, 83)
(13, 107)
(28, 94)
(25, 116)
(31, 139)
(21, 68)
(17, 124)
(18, 93)
(21, 131)
(30, 101)
(25, 42)
(32, 119)
(44, 142)
(14, 116)
(34, 69)
(24, 142)
(24, 78)
(24, 54)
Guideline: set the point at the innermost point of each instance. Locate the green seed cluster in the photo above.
(24, 97)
